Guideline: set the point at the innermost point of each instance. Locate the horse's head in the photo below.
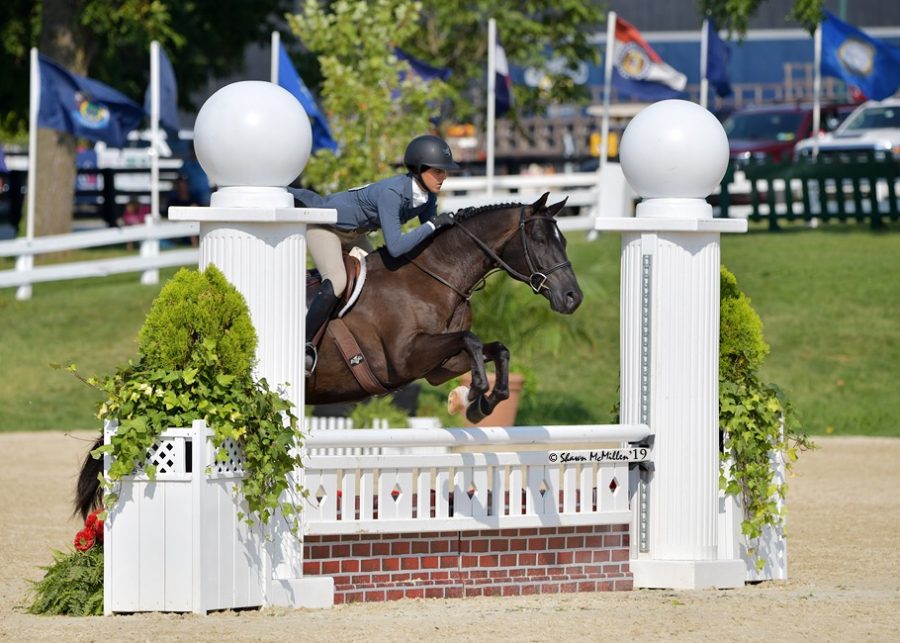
(538, 251)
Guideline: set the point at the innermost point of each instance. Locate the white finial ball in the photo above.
(674, 149)
(252, 133)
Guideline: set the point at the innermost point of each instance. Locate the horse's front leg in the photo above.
(499, 355)
(450, 350)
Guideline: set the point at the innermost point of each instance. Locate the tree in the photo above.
(374, 105)
(109, 40)
(734, 15)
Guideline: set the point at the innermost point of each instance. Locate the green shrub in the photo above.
(196, 359)
(755, 417)
(193, 307)
(72, 585)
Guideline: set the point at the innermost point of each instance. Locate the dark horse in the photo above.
(413, 316)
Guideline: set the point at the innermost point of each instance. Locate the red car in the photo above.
(772, 131)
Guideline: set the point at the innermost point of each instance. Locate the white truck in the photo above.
(873, 127)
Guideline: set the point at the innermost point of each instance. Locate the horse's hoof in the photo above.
(478, 410)
(457, 400)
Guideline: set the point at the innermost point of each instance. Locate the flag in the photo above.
(422, 69)
(859, 60)
(84, 107)
(3, 167)
(291, 81)
(503, 96)
(717, 56)
(639, 71)
(168, 94)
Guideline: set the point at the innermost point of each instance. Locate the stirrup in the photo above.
(310, 352)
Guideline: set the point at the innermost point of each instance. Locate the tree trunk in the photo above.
(54, 202)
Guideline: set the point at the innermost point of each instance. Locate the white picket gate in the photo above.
(176, 544)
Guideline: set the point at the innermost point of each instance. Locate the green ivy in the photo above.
(196, 363)
(755, 417)
(72, 585)
(378, 408)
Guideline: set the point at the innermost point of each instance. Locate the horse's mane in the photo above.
(467, 213)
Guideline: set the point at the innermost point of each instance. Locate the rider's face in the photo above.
(433, 178)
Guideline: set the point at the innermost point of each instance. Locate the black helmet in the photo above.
(428, 151)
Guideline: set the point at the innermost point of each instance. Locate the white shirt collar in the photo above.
(419, 196)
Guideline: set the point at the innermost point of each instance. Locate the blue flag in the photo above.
(84, 107)
(503, 95)
(291, 81)
(168, 95)
(3, 167)
(717, 56)
(859, 60)
(422, 69)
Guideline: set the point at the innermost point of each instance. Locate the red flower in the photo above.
(95, 524)
(84, 539)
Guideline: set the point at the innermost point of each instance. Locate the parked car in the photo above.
(874, 127)
(772, 131)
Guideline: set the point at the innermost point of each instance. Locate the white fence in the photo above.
(575, 477)
(592, 193)
(147, 260)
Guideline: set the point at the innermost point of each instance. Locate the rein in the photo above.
(538, 277)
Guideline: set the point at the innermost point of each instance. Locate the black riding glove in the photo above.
(443, 219)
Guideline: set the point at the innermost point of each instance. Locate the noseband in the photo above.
(538, 277)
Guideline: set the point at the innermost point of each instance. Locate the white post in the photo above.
(150, 247)
(817, 88)
(670, 341)
(26, 262)
(252, 138)
(491, 104)
(704, 63)
(273, 60)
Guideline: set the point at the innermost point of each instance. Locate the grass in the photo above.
(829, 300)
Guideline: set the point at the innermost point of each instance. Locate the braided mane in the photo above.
(467, 213)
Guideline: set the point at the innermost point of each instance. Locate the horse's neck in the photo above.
(455, 251)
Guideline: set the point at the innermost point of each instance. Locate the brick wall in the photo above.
(505, 562)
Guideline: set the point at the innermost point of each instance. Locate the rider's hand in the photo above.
(442, 220)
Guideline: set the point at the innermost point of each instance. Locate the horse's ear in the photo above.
(554, 209)
(541, 203)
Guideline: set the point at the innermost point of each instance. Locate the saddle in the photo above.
(346, 343)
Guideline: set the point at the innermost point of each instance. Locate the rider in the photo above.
(386, 204)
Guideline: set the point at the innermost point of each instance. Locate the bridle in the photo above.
(538, 277)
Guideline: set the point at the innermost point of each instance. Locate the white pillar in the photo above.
(673, 154)
(253, 138)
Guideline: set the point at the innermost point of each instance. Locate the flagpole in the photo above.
(817, 88)
(34, 102)
(607, 82)
(154, 130)
(704, 63)
(273, 66)
(491, 103)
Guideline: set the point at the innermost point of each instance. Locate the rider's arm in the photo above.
(395, 239)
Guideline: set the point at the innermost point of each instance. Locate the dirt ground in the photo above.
(844, 566)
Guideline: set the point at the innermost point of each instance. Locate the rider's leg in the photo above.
(325, 249)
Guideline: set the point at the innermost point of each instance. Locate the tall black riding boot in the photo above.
(318, 313)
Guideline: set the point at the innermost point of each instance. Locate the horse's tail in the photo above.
(88, 495)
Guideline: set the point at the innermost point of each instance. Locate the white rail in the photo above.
(578, 482)
(148, 259)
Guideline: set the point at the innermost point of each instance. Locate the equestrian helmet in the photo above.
(428, 151)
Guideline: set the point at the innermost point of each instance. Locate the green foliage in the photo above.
(455, 35)
(72, 585)
(508, 311)
(192, 307)
(735, 15)
(378, 408)
(756, 418)
(207, 375)
(355, 43)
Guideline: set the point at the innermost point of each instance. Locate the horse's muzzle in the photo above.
(566, 300)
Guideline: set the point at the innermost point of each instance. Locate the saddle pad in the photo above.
(356, 285)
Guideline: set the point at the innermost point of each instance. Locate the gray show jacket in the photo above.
(386, 204)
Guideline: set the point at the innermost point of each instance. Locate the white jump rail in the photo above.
(148, 259)
(578, 479)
